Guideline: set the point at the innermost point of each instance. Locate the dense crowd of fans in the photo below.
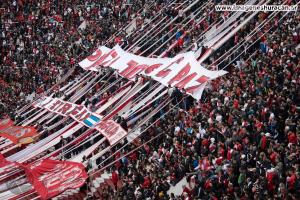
(42, 40)
(241, 141)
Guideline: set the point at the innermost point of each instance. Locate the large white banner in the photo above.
(183, 71)
(109, 129)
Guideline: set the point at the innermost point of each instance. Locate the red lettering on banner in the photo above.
(59, 106)
(163, 73)
(136, 70)
(100, 125)
(181, 74)
(113, 54)
(185, 81)
(113, 61)
(108, 125)
(80, 115)
(55, 105)
(96, 56)
(76, 110)
(112, 131)
(200, 80)
(100, 60)
(52, 177)
(65, 108)
(131, 65)
(152, 68)
(109, 128)
(104, 125)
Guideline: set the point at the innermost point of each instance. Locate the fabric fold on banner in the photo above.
(51, 177)
(183, 71)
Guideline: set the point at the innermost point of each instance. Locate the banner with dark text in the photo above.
(78, 112)
(111, 130)
(81, 114)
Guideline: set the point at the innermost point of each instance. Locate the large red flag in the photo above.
(52, 177)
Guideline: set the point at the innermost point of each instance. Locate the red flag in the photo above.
(51, 177)
(5, 123)
(19, 134)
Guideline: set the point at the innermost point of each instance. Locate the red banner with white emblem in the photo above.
(51, 177)
(19, 134)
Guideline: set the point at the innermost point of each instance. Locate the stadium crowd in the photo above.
(241, 141)
(41, 40)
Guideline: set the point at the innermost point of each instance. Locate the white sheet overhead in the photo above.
(182, 71)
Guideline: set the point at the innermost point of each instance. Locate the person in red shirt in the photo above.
(292, 138)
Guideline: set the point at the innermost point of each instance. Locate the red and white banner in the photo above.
(19, 134)
(111, 130)
(78, 112)
(82, 115)
(182, 71)
(51, 177)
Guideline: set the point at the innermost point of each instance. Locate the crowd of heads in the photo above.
(41, 40)
(241, 141)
